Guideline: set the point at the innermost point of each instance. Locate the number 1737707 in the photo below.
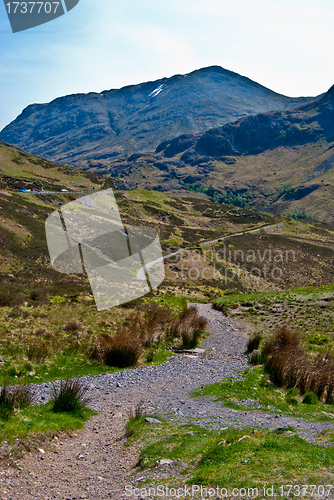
(32, 7)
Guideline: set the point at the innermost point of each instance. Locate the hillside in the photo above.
(280, 162)
(92, 129)
(185, 221)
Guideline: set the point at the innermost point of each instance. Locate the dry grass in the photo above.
(122, 349)
(145, 328)
(289, 366)
(189, 326)
(14, 397)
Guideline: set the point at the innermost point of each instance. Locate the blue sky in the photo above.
(286, 45)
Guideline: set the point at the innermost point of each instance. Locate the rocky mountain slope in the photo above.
(98, 127)
(254, 134)
(278, 161)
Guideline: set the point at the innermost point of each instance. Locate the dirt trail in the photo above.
(93, 464)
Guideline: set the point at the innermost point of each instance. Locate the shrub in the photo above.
(189, 326)
(254, 342)
(72, 326)
(122, 349)
(38, 351)
(310, 398)
(69, 396)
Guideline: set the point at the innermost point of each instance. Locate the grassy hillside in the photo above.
(276, 256)
(281, 180)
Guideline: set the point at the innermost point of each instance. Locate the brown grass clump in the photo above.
(122, 349)
(189, 326)
(143, 329)
(72, 326)
(38, 351)
(288, 365)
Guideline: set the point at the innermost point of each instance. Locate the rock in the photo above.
(151, 420)
(196, 350)
(244, 437)
(164, 461)
(281, 429)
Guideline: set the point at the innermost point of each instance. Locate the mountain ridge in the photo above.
(100, 126)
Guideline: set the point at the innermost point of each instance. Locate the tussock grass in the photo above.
(122, 349)
(69, 396)
(147, 328)
(14, 397)
(289, 366)
(189, 326)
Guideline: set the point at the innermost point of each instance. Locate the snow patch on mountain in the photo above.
(157, 90)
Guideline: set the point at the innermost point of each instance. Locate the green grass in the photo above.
(35, 423)
(310, 309)
(62, 366)
(255, 386)
(36, 346)
(218, 458)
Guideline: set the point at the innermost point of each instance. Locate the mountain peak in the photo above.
(99, 126)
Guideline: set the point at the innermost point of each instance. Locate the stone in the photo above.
(151, 420)
(244, 437)
(164, 461)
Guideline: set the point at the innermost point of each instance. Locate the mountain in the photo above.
(254, 134)
(278, 161)
(92, 129)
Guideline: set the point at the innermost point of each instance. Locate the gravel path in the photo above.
(93, 463)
